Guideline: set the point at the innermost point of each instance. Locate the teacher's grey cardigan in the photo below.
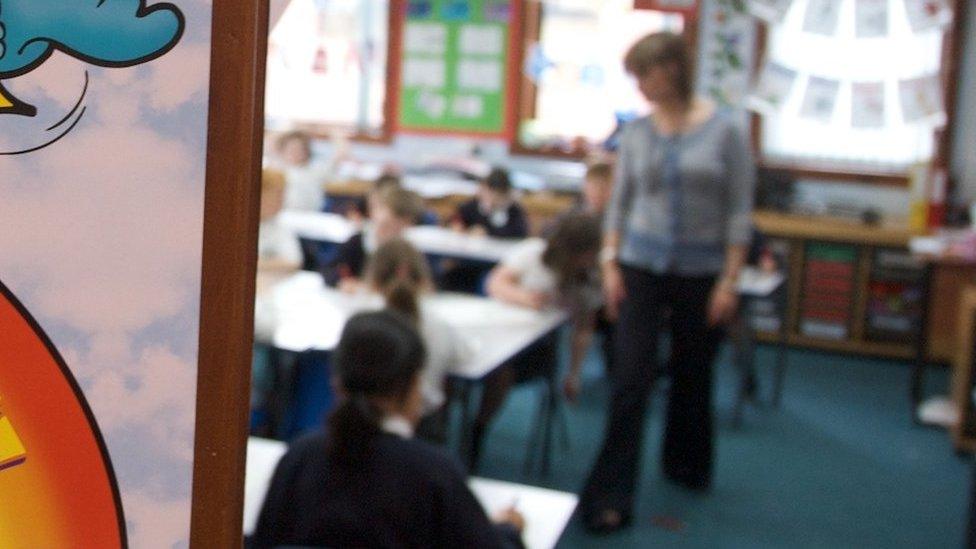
(680, 200)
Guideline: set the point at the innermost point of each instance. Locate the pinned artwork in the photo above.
(822, 17)
(925, 15)
(922, 101)
(820, 99)
(771, 11)
(870, 18)
(868, 105)
(774, 87)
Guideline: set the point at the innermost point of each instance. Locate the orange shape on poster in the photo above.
(60, 491)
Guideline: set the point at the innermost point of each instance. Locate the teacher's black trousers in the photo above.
(687, 451)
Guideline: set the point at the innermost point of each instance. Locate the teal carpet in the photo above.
(839, 464)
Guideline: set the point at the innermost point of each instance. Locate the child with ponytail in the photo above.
(365, 482)
(401, 274)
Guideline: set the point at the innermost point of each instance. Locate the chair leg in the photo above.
(536, 432)
(743, 364)
(779, 374)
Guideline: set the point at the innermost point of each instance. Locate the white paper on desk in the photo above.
(425, 38)
(870, 18)
(820, 99)
(482, 40)
(478, 75)
(926, 15)
(773, 88)
(921, 99)
(419, 72)
(822, 17)
(867, 105)
(468, 106)
(773, 11)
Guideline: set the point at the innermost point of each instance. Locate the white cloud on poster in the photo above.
(101, 236)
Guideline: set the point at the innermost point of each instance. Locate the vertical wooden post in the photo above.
(234, 147)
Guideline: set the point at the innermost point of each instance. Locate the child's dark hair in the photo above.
(498, 180)
(602, 171)
(379, 355)
(399, 272)
(574, 235)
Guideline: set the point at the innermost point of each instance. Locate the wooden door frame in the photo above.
(232, 196)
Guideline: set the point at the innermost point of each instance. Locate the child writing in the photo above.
(365, 482)
(393, 211)
(401, 274)
(560, 272)
(494, 211)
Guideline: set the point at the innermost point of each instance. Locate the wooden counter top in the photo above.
(830, 229)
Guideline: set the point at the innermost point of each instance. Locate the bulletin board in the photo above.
(456, 60)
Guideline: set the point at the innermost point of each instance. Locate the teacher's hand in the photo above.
(722, 304)
(613, 289)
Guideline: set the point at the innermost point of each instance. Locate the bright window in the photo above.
(574, 65)
(836, 142)
(327, 66)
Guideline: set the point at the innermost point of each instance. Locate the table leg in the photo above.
(282, 391)
(920, 363)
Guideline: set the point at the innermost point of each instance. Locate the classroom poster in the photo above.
(454, 69)
(103, 132)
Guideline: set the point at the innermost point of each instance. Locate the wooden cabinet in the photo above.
(856, 288)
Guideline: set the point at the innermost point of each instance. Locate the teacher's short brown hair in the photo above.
(662, 48)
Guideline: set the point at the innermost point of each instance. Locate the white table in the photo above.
(310, 316)
(325, 227)
(547, 512)
(431, 240)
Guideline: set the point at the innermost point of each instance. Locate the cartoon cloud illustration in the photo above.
(106, 33)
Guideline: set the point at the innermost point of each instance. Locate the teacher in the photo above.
(675, 239)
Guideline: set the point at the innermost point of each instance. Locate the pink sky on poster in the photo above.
(100, 237)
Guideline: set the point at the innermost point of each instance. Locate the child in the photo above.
(597, 188)
(358, 209)
(561, 272)
(493, 211)
(279, 253)
(365, 482)
(395, 210)
(278, 248)
(306, 179)
(401, 274)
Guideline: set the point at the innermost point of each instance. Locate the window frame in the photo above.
(387, 131)
(951, 53)
(525, 91)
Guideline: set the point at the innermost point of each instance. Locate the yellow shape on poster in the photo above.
(12, 449)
